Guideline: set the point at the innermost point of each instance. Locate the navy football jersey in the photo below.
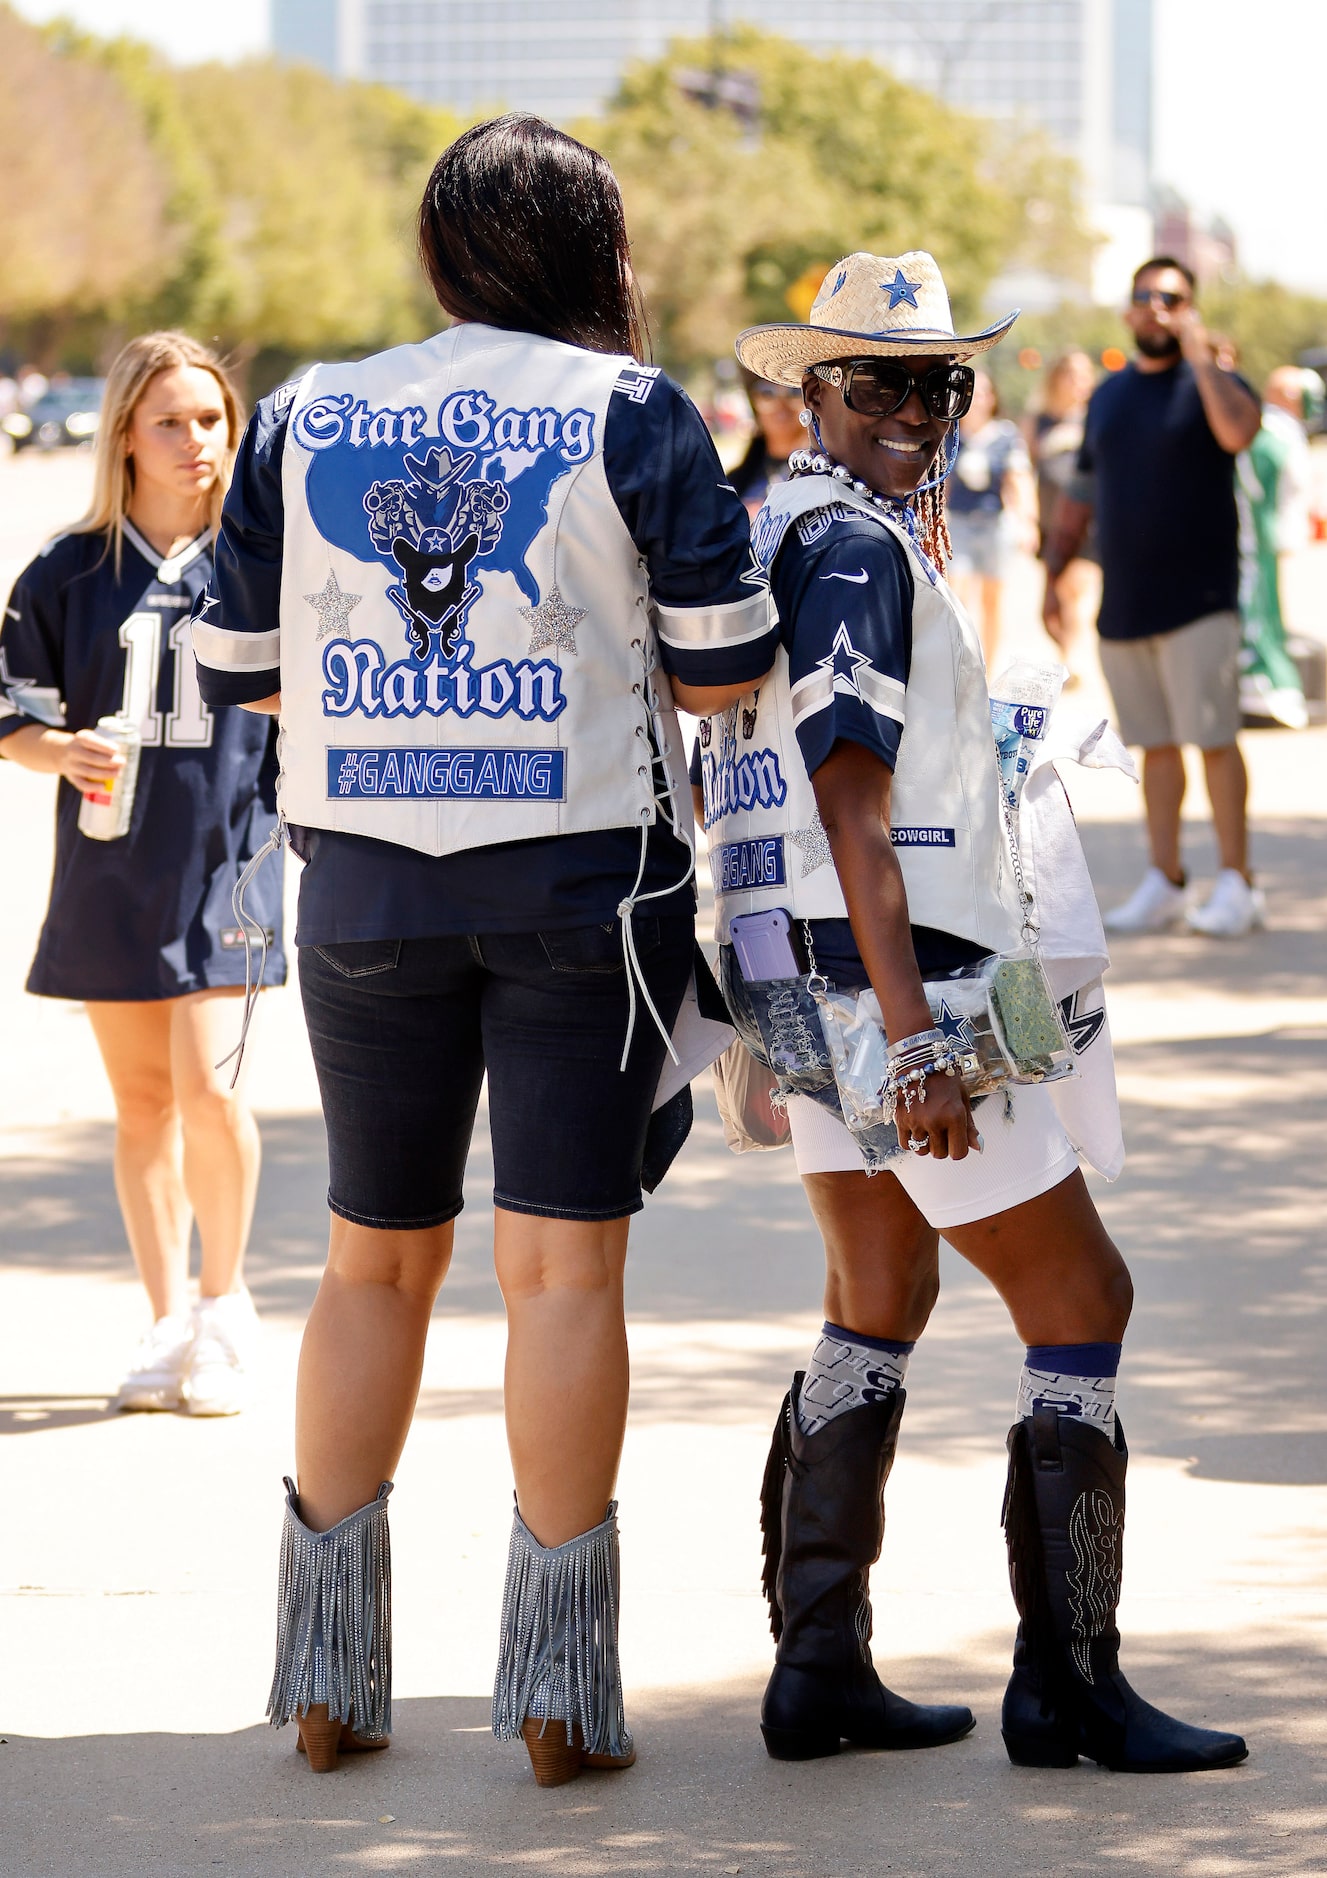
(148, 916)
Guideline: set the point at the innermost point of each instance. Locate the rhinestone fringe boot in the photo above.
(558, 1686)
(334, 1633)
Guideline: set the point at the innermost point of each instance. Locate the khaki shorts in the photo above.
(1177, 687)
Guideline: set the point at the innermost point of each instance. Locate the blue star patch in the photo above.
(902, 292)
(957, 1029)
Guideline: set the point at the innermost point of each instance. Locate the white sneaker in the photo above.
(1233, 909)
(219, 1377)
(1154, 904)
(156, 1375)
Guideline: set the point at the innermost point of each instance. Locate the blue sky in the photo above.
(1239, 104)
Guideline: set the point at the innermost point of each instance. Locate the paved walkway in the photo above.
(137, 1554)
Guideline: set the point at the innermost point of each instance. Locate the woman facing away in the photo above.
(882, 853)
(990, 507)
(456, 569)
(141, 927)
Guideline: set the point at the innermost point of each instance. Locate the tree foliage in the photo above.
(271, 208)
(731, 214)
(268, 208)
(83, 222)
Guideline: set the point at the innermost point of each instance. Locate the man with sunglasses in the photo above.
(1158, 466)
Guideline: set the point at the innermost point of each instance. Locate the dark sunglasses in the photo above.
(1144, 296)
(879, 387)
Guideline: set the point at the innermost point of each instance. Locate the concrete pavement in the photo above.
(137, 1554)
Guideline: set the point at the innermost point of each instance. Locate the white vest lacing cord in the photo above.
(244, 921)
(665, 806)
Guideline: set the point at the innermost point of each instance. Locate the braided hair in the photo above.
(932, 528)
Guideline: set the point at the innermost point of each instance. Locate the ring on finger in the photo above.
(918, 1144)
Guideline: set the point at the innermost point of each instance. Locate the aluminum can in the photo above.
(104, 814)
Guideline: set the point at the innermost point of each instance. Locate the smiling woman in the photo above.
(888, 858)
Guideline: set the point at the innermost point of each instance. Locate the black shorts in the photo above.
(403, 1030)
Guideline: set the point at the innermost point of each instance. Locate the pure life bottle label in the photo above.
(1022, 699)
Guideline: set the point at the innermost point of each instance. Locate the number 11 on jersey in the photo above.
(189, 722)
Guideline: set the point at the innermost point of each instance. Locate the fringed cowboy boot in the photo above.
(1064, 1524)
(823, 1520)
(558, 1686)
(334, 1633)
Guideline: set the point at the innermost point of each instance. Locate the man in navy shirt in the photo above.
(1158, 465)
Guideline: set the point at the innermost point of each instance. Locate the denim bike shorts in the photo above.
(404, 1030)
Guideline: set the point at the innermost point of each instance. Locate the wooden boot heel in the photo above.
(320, 1739)
(555, 1760)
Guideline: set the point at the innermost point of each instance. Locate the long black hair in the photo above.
(522, 227)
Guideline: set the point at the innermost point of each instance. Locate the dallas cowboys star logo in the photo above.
(1083, 1027)
(333, 607)
(553, 622)
(902, 292)
(814, 845)
(843, 662)
(956, 1029)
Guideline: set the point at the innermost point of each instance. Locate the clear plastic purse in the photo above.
(1000, 1018)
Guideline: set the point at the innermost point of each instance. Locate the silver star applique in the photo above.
(814, 843)
(553, 622)
(333, 607)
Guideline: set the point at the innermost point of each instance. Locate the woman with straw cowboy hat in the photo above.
(858, 838)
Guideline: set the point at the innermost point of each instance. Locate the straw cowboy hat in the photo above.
(869, 306)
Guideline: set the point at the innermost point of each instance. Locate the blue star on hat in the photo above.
(901, 291)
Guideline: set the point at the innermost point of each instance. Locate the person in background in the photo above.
(778, 433)
(141, 928)
(990, 510)
(1055, 436)
(1159, 449)
(1273, 495)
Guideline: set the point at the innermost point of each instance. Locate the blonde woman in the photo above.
(141, 928)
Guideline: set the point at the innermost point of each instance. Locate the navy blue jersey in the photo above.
(1164, 494)
(693, 535)
(148, 916)
(844, 595)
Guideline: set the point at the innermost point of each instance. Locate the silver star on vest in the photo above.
(814, 843)
(333, 607)
(553, 622)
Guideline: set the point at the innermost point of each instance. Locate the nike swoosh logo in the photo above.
(858, 580)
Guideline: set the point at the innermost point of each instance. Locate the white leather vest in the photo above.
(767, 844)
(467, 647)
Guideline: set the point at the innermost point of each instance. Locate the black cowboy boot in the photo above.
(1064, 1523)
(823, 1519)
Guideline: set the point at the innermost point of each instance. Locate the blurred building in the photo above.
(1082, 69)
(1079, 69)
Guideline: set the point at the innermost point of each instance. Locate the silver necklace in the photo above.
(816, 463)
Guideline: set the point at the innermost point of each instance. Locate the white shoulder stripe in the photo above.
(223, 651)
(693, 628)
